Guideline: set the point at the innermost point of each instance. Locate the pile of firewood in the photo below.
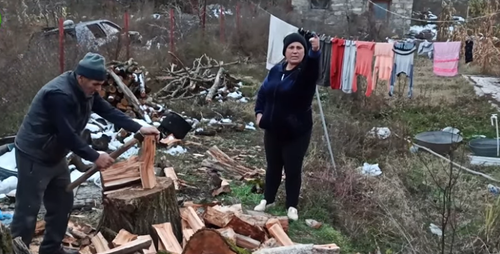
(255, 231)
(126, 90)
(206, 78)
(86, 239)
(208, 228)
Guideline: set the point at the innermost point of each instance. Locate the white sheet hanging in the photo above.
(278, 29)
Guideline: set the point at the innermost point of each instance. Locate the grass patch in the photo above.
(298, 230)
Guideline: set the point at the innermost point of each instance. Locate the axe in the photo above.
(173, 123)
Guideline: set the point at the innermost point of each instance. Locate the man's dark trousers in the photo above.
(37, 183)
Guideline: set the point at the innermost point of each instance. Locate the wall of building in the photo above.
(435, 6)
(338, 11)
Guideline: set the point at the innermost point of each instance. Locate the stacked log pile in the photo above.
(126, 90)
(206, 78)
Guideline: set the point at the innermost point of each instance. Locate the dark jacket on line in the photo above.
(58, 114)
(285, 98)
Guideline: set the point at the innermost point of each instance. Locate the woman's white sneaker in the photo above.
(262, 206)
(293, 214)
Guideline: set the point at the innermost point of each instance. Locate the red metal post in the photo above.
(61, 44)
(238, 16)
(204, 16)
(127, 38)
(172, 30)
(222, 30)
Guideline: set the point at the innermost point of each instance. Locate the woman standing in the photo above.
(284, 110)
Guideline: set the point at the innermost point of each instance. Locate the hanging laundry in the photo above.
(337, 57)
(446, 57)
(425, 48)
(403, 63)
(278, 29)
(324, 64)
(363, 65)
(348, 65)
(384, 61)
(469, 46)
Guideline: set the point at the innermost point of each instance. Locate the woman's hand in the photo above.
(314, 42)
(258, 117)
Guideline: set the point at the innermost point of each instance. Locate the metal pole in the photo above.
(325, 130)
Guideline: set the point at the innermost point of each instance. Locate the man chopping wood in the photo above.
(58, 114)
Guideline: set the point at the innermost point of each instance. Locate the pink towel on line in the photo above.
(446, 57)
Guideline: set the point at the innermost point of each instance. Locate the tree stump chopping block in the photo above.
(136, 209)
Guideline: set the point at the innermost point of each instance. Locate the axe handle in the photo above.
(115, 154)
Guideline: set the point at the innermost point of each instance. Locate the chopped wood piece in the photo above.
(86, 250)
(167, 238)
(121, 107)
(279, 234)
(236, 209)
(170, 173)
(194, 221)
(69, 240)
(123, 237)
(136, 209)
(228, 233)
(224, 188)
(82, 238)
(100, 244)
(118, 184)
(246, 242)
(261, 219)
(217, 218)
(152, 249)
(130, 247)
(124, 102)
(208, 241)
(187, 233)
(147, 170)
(40, 227)
(245, 228)
(170, 140)
(121, 174)
(184, 223)
(270, 243)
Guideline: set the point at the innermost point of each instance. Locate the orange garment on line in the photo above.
(364, 61)
(384, 62)
(336, 62)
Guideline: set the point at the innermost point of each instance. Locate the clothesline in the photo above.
(423, 20)
(343, 59)
(400, 15)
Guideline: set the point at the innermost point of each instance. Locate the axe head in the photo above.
(174, 124)
(139, 137)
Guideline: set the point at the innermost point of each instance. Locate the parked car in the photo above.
(90, 34)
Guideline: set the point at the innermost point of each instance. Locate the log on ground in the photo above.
(301, 249)
(136, 209)
(209, 241)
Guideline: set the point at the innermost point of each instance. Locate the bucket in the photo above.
(175, 124)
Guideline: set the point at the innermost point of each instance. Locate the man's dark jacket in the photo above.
(58, 114)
